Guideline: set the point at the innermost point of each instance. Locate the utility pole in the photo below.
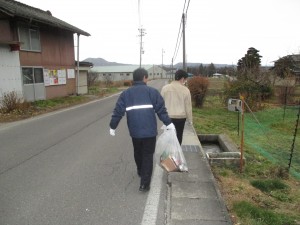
(162, 62)
(142, 33)
(172, 69)
(77, 72)
(183, 41)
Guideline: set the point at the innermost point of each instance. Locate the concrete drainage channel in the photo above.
(220, 149)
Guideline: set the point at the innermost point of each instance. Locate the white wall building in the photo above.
(117, 73)
(10, 72)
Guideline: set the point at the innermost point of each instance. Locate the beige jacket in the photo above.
(178, 101)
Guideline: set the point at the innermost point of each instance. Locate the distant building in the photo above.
(117, 73)
(217, 75)
(296, 59)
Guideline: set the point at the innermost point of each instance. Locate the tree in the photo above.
(211, 70)
(252, 82)
(92, 78)
(201, 69)
(284, 66)
(248, 66)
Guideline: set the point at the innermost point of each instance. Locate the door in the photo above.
(33, 84)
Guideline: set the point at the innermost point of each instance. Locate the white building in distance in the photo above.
(117, 73)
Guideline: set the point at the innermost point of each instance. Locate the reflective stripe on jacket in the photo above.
(141, 103)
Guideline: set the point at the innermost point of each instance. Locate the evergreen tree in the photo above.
(251, 61)
(211, 70)
(249, 65)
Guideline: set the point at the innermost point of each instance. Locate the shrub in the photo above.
(198, 87)
(285, 94)
(252, 92)
(127, 83)
(10, 102)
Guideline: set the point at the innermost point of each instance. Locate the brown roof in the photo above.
(17, 9)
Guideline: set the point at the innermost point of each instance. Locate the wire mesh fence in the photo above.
(274, 135)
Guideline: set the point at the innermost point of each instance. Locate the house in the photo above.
(296, 60)
(117, 73)
(37, 55)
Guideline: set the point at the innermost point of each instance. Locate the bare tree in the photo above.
(92, 78)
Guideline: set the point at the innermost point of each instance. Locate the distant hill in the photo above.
(103, 62)
(180, 65)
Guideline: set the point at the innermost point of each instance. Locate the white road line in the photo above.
(151, 208)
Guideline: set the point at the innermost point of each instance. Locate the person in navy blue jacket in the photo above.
(140, 103)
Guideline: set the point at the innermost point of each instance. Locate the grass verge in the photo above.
(23, 110)
(265, 192)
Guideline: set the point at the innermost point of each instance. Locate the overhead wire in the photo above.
(178, 41)
(177, 45)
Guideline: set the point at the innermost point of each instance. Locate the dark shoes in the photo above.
(144, 188)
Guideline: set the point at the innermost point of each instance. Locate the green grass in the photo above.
(268, 138)
(62, 101)
(71, 100)
(265, 132)
(269, 185)
(257, 216)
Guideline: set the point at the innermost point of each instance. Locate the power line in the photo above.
(184, 13)
(184, 6)
(187, 7)
(177, 45)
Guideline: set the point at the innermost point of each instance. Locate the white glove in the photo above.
(171, 126)
(112, 132)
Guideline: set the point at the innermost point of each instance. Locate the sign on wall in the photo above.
(71, 73)
(54, 77)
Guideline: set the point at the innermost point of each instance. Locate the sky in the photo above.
(216, 31)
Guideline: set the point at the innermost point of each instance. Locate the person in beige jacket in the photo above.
(178, 102)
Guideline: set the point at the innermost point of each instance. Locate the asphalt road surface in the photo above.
(64, 168)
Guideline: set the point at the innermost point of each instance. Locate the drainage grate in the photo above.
(190, 148)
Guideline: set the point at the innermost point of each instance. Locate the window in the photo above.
(30, 39)
(32, 75)
(121, 74)
(127, 74)
(27, 75)
(104, 74)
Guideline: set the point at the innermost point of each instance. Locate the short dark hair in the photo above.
(180, 74)
(139, 74)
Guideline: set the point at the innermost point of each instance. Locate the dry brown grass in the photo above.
(236, 188)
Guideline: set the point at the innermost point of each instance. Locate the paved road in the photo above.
(65, 168)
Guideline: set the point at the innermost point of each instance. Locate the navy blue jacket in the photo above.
(140, 102)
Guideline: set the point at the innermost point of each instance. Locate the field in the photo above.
(267, 191)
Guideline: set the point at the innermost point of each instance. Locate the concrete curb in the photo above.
(194, 197)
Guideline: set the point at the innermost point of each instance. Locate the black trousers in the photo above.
(179, 126)
(143, 155)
